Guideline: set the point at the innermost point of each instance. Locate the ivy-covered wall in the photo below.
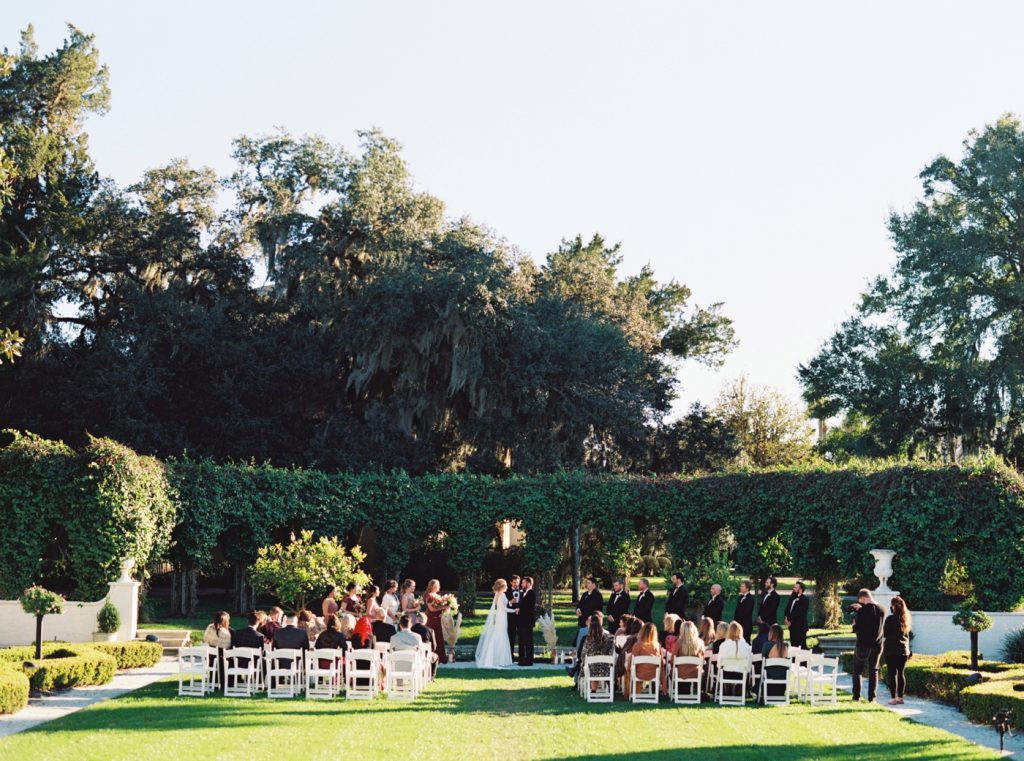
(111, 502)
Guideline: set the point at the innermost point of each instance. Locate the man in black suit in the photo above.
(249, 636)
(513, 603)
(291, 636)
(525, 615)
(868, 616)
(768, 612)
(678, 597)
(618, 605)
(744, 614)
(591, 602)
(715, 607)
(796, 616)
(644, 605)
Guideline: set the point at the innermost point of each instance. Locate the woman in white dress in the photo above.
(493, 651)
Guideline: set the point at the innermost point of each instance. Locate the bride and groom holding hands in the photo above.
(508, 620)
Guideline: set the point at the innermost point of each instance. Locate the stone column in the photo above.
(124, 594)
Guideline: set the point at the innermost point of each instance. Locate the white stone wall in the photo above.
(935, 632)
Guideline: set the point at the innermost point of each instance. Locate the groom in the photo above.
(525, 615)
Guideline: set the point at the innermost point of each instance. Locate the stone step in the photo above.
(836, 645)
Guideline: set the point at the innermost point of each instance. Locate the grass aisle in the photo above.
(476, 715)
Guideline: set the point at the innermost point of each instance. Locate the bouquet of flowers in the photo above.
(451, 603)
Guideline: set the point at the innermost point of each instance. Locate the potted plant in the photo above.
(972, 621)
(109, 621)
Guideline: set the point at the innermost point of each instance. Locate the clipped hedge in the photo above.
(14, 688)
(131, 655)
(980, 702)
(71, 666)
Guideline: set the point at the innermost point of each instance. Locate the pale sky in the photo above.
(752, 150)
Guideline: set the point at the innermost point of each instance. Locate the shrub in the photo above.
(980, 702)
(13, 689)
(109, 618)
(71, 666)
(1013, 646)
(131, 655)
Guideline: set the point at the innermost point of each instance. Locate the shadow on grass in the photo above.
(863, 751)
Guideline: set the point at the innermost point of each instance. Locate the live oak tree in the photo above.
(770, 430)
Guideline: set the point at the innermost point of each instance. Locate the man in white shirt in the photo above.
(405, 638)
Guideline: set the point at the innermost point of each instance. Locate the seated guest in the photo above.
(646, 644)
(332, 637)
(382, 631)
(218, 633)
(362, 633)
(272, 624)
(427, 635)
(762, 636)
(632, 632)
(688, 645)
(734, 646)
(351, 602)
(405, 638)
(706, 632)
(721, 630)
(329, 604)
(622, 630)
(577, 664)
(249, 636)
(597, 642)
(348, 624)
(776, 647)
(667, 636)
(309, 624)
(290, 636)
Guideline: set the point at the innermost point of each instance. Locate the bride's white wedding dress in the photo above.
(493, 650)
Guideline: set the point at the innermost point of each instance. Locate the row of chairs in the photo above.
(726, 679)
(319, 674)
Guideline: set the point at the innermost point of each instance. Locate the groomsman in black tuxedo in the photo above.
(644, 605)
(678, 597)
(715, 607)
(525, 616)
(618, 605)
(768, 612)
(591, 602)
(796, 616)
(744, 615)
(513, 603)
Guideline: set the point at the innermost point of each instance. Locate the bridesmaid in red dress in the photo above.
(435, 607)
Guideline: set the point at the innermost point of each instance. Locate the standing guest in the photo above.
(370, 604)
(763, 632)
(591, 602)
(715, 607)
(796, 616)
(218, 633)
(775, 647)
(644, 606)
(678, 597)
(290, 636)
(272, 623)
(768, 611)
(618, 604)
(744, 614)
(896, 647)
(410, 606)
(721, 631)
(329, 605)
(706, 632)
(309, 624)
(597, 642)
(405, 638)
(390, 604)
(687, 645)
(646, 644)
(436, 606)
(351, 602)
(513, 592)
(331, 638)
(667, 636)
(526, 616)
(734, 647)
(868, 618)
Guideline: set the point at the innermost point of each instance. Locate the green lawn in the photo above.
(472, 625)
(478, 715)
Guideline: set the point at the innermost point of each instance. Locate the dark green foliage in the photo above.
(109, 618)
(131, 655)
(1013, 646)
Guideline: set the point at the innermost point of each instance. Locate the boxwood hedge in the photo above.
(13, 688)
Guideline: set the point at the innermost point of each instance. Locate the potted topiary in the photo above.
(38, 601)
(972, 621)
(109, 621)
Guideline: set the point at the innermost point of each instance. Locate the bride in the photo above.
(493, 650)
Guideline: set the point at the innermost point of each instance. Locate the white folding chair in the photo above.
(323, 674)
(801, 672)
(404, 673)
(691, 694)
(240, 672)
(712, 666)
(732, 672)
(756, 662)
(822, 671)
(644, 690)
(362, 674)
(598, 689)
(767, 682)
(427, 657)
(284, 673)
(193, 671)
(384, 649)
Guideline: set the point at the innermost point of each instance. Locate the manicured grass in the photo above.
(471, 714)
